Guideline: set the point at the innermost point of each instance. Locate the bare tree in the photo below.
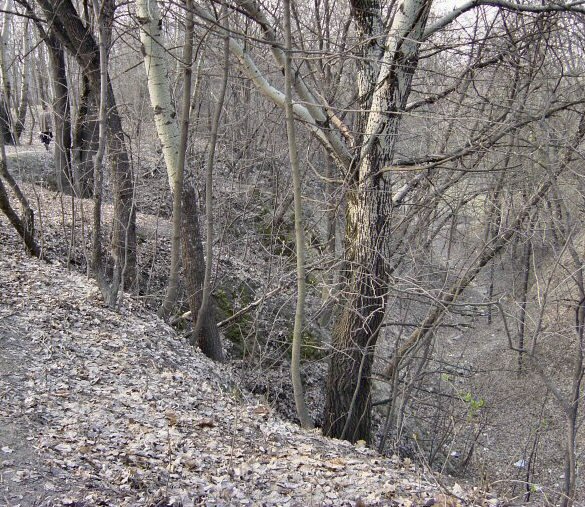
(302, 410)
(380, 180)
(79, 41)
(205, 333)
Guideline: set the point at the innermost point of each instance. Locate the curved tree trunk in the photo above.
(20, 225)
(206, 334)
(24, 226)
(208, 340)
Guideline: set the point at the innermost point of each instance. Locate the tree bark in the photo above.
(85, 139)
(157, 76)
(23, 100)
(295, 365)
(369, 210)
(24, 226)
(6, 120)
(175, 269)
(205, 334)
(206, 297)
(523, 299)
(61, 115)
(20, 225)
(208, 340)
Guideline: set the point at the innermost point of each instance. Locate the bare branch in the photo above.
(502, 4)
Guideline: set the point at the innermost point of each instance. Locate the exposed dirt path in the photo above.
(22, 473)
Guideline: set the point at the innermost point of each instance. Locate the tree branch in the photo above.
(329, 137)
(502, 4)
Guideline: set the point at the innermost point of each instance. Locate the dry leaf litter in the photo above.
(103, 407)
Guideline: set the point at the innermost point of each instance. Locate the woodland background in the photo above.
(372, 210)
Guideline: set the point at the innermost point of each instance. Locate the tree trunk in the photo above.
(24, 90)
(206, 334)
(348, 403)
(62, 121)
(24, 226)
(79, 41)
(208, 339)
(157, 76)
(387, 81)
(85, 139)
(523, 299)
(330, 277)
(109, 290)
(571, 415)
(6, 120)
(124, 230)
(295, 366)
(206, 297)
(173, 282)
(20, 225)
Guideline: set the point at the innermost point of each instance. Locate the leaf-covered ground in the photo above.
(103, 407)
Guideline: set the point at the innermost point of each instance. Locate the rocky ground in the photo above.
(112, 407)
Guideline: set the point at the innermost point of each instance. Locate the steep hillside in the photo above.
(102, 407)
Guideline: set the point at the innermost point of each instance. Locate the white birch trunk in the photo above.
(155, 56)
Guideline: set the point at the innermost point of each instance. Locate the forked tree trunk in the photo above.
(387, 80)
(206, 334)
(157, 77)
(172, 292)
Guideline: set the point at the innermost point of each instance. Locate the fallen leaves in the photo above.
(125, 413)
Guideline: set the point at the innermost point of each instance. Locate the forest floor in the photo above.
(112, 407)
(103, 407)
